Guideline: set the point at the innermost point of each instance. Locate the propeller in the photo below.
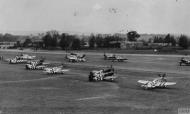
(162, 75)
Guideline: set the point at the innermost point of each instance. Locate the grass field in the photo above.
(32, 92)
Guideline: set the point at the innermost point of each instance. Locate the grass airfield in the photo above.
(33, 92)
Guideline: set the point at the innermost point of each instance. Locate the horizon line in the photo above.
(35, 32)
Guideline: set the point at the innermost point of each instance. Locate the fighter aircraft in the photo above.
(160, 82)
(184, 61)
(26, 56)
(113, 58)
(55, 70)
(17, 61)
(36, 65)
(73, 57)
(23, 58)
(102, 75)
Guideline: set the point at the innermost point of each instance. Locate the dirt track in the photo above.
(23, 91)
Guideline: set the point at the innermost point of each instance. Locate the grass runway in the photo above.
(32, 92)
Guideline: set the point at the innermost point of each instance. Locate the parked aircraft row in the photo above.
(22, 58)
(106, 74)
(32, 63)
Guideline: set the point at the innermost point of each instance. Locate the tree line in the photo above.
(8, 37)
(183, 41)
(52, 39)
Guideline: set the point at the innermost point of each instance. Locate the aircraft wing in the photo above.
(46, 63)
(110, 77)
(122, 59)
(7, 60)
(143, 81)
(72, 58)
(169, 83)
(47, 69)
(65, 70)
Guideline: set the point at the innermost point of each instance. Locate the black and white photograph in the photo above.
(94, 57)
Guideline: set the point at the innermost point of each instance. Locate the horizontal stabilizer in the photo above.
(110, 77)
(170, 83)
(65, 70)
(143, 81)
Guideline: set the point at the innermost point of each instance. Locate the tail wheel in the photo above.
(180, 64)
(26, 67)
(90, 78)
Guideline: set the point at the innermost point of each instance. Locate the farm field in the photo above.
(33, 92)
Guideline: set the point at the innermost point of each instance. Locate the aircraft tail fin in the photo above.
(83, 56)
(162, 75)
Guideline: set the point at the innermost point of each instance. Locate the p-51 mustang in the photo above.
(113, 57)
(26, 56)
(73, 57)
(23, 58)
(55, 70)
(184, 61)
(156, 83)
(36, 65)
(102, 75)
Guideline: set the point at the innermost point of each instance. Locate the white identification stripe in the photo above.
(20, 61)
(91, 98)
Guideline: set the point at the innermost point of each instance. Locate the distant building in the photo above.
(86, 45)
(128, 44)
(157, 45)
(5, 45)
(38, 43)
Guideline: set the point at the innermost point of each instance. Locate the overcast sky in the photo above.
(100, 16)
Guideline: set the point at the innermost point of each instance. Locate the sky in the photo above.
(96, 16)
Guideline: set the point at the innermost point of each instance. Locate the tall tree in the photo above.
(63, 42)
(18, 44)
(66, 41)
(92, 41)
(173, 41)
(183, 41)
(133, 35)
(167, 39)
(82, 42)
(47, 40)
(27, 42)
(51, 39)
(99, 41)
(76, 44)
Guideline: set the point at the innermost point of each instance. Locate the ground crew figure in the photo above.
(1, 58)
